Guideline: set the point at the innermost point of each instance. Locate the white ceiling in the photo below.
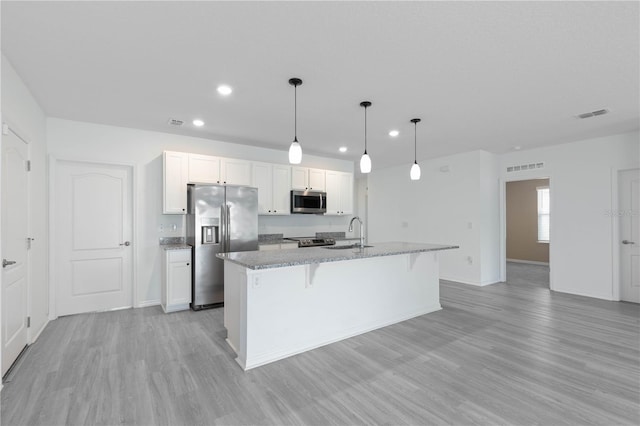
(481, 75)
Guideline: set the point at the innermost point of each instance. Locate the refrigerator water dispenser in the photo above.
(210, 235)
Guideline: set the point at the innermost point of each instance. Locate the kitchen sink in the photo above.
(351, 246)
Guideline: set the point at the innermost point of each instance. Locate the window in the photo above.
(543, 214)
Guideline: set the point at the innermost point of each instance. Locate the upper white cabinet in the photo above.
(235, 172)
(339, 188)
(274, 184)
(303, 178)
(175, 170)
(204, 169)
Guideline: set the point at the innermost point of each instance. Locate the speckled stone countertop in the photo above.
(174, 243)
(175, 246)
(283, 258)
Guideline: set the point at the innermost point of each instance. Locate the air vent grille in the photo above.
(522, 167)
(175, 122)
(593, 113)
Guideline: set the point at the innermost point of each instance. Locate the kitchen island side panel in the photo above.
(293, 309)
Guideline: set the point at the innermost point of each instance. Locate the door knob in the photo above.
(627, 242)
(126, 243)
(6, 262)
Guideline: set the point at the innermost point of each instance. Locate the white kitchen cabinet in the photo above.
(235, 172)
(339, 188)
(274, 185)
(175, 169)
(281, 189)
(204, 169)
(303, 178)
(176, 280)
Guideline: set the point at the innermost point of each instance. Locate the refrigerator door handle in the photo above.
(228, 227)
(223, 229)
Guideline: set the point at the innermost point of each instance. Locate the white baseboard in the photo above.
(531, 262)
(476, 283)
(148, 303)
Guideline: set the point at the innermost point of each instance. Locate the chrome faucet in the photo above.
(361, 230)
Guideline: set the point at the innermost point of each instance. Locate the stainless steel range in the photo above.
(313, 241)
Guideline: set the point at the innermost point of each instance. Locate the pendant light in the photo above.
(415, 169)
(365, 160)
(295, 151)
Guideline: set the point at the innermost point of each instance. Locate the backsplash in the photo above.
(298, 225)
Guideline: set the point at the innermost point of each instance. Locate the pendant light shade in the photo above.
(295, 153)
(365, 163)
(415, 168)
(365, 160)
(415, 172)
(295, 150)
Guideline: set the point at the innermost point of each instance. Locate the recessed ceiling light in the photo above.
(198, 123)
(342, 149)
(224, 90)
(517, 147)
(394, 133)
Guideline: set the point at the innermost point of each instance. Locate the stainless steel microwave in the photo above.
(308, 202)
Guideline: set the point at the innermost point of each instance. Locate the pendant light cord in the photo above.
(365, 129)
(415, 142)
(295, 113)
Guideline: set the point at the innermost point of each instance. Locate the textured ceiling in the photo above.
(481, 75)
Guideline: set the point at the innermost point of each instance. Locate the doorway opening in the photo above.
(528, 220)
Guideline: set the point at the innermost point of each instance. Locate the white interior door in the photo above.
(629, 200)
(14, 248)
(93, 230)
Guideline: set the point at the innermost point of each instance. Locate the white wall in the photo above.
(143, 149)
(583, 184)
(23, 114)
(458, 206)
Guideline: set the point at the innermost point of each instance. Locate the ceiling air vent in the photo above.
(593, 113)
(175, 122)
(522, 167)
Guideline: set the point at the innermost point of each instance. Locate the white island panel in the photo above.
(274, 313)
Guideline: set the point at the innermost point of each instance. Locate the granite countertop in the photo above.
(174, 243)
(175, 246)
(283, 258)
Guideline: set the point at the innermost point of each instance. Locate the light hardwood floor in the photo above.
(509, 353)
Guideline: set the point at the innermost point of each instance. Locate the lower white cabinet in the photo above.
(176, 280)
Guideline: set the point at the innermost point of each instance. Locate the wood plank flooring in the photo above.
(509, 353)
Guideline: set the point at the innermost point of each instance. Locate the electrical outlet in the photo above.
(161, 228)
(470, 260)
(405, 224)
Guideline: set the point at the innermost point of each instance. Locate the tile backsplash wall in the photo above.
(303, 225)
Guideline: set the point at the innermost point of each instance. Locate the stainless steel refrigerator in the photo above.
(220, 219)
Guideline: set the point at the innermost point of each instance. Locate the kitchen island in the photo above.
(284, 302)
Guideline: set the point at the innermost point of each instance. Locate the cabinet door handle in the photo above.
(627, 242)
(187, 264)
(126, 243)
